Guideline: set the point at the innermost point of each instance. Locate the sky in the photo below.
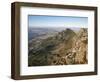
(57, 21)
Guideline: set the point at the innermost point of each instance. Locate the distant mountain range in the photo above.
(36, 32)
(48, 46)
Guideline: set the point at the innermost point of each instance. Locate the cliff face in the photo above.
(65, 48)
(71, 51)
(81, 47)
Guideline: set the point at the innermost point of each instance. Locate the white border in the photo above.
(25, 70)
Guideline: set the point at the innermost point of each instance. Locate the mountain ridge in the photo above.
(64, 48)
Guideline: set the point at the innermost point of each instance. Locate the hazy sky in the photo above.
(57, 21)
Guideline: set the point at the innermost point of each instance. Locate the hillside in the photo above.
(64, 48)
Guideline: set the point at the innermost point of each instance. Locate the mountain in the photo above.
(62, 48)
(34, 32)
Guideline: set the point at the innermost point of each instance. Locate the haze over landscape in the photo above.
(57, 40)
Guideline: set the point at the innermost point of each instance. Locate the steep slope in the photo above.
(80, 47)
(74, 52)
(64, 48)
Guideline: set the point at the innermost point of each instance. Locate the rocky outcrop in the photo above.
(81, 47)
(73, 51)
